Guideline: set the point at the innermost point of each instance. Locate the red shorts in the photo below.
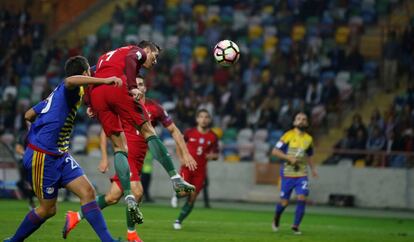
(113, 103)
(136, 156)
(197, 178)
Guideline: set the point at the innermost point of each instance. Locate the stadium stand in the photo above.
(294, 57)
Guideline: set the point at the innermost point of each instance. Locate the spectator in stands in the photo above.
(359, 143)
(356, 126)
(345, 143)
(376, 121)
(395, 143)
(267, 115)
(313, 93)
(237, 119)
(407, 57)
(375, 142)
(330, 95)
(286, 115)
(390, 54)
(354, 61)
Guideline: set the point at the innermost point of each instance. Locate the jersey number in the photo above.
(108, 56)
(48, 103)
(72, 161)
(305, 185)
(199, 150)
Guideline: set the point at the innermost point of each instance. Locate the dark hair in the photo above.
(76, 65)
(147, 43)
(300, 112)
(202, 110)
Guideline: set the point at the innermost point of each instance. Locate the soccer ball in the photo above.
(226, 53)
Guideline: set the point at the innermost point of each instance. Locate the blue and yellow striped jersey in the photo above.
(56, 114)
(296, 144)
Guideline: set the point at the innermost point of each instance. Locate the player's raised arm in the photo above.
(74, 81)
(182, 150)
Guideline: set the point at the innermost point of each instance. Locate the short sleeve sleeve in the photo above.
(164, 118)
(40, 106)
(283, 143)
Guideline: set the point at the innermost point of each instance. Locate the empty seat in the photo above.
(260, 135)
(245, 135)
(232, 158)
(8, 139)
(79, 144)
(94, 130)
(245, 151)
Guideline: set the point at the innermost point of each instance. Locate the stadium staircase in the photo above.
(371, 48)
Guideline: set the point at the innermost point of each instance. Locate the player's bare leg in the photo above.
(82, 188)
(161, 154)
(278, 214)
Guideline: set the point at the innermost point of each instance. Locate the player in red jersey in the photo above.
(137, 149)
(202, 144)
(114, 104)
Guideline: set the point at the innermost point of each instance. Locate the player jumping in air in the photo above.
(47, 159)
(114, 104)
(295, 147)
(203, 146)
(137, 149)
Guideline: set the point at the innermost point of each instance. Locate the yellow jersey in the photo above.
(299, 145)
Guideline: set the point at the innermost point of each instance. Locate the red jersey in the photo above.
(156, 113)
(199, 145)
(123, 62)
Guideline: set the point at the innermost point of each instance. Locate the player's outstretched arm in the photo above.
(182, 151)
(80, 80)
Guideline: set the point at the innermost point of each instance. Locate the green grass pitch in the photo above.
(217, 224)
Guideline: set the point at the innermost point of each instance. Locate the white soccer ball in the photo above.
(226, 53)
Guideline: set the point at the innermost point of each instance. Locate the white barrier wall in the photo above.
(371, 187)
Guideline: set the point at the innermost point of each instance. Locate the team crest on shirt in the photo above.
(201, 140)
(139, 55)
(209, 142)
(50, 190)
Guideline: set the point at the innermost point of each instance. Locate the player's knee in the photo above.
(284, 202)
(301, 198)
(88, 194)
(112, 199)
(46, 212)
(147, 130)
